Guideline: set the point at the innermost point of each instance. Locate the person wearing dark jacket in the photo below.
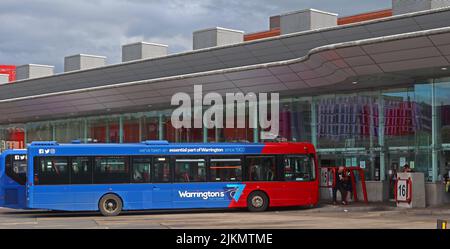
(340, 184)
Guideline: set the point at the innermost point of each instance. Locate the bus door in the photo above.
(301, 169)
(162, 186)
(12, 180)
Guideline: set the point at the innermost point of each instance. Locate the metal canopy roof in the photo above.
(280, 48)
(379, 61)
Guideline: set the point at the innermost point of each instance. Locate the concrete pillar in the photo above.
(205, 134)
(255, 124)
(381, 137)
(314, 122)
(107, 131)
(53, 131)
(160, 127)
(434, 134)
(217, 134)
(85, 130)
(25, 139)
(120, 129)
(140, 128)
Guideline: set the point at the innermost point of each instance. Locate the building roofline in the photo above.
(306, 10)
(35, 65)
(414, 14)
(245, 68)
(218, 28)
(147, 43)
(368, 12)
(86, 55)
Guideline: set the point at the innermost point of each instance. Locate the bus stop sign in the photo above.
(403, 190)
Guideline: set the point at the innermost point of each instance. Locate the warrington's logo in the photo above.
(235, 190)
(231, 191)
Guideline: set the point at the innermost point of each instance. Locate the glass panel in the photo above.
(347, 120)
(170, 133)
(103, 130)
(444, 169)
(442, 92)
(225, 169)
(51, 170)
(150, 128)
(423, 163)
(299, 168)
(68, 130)
(131, 128)
(294, 120)
(111, 170)
(190, 170)
(422, 114)
(233, 134)
(407, 115)
(39, 132)
(261, 168)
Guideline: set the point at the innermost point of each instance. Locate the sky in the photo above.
(45, 31)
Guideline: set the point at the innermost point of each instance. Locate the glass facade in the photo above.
(379, 130)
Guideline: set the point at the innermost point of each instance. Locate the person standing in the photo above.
(407, 169)
(339, 185)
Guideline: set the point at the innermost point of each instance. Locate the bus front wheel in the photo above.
(257, 201)
(110, 205)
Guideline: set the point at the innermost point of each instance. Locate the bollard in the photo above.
(442, 224)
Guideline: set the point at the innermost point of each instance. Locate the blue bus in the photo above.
(158, 175)
(13, 170)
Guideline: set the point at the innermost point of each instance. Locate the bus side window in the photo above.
(190, 169)
(52, 170)
(225, 169)
(261, 168)
(112, 169)
(141, 169)
(298, 168)
(16, 168)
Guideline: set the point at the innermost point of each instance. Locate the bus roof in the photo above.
(165, 148)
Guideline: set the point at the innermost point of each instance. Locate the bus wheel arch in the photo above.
(258, 201)
(110, 204)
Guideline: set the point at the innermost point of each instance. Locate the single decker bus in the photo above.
(160, 175)
(13, 170)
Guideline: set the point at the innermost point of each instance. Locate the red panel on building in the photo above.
(365, 17)
(262, 34)
(10, 70)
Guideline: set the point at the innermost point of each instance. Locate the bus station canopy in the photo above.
(376, 62)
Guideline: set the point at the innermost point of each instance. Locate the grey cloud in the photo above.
(44, 31)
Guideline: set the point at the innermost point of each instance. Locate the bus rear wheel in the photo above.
(110, 205)
(257, 202)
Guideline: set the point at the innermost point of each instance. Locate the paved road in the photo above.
(323, 217)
